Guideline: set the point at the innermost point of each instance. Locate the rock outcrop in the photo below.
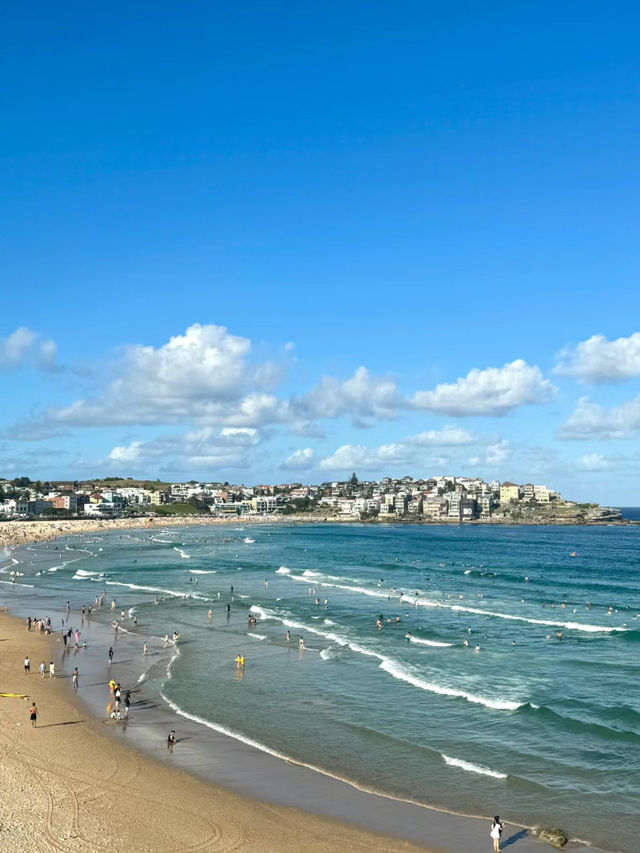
(555, 837)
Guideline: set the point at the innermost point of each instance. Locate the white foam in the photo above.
(472, 768)
(248, 541)
(257, 636)
(203, 571)
(390, 666)
(82, 573)
(174, 593)
(183, 554)
(405, 674)
(283, 570)
(573, 626)
(434, 643)
(225, 731)
(328, 581)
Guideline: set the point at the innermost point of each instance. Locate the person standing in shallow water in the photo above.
(496, 831)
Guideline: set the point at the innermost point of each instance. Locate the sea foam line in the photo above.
(316, 577)
(573, 626)
(472, 768)
(224, 730)
(393, 667)
(183, 554)
(434, 643)
(403, 673)
(174, 593)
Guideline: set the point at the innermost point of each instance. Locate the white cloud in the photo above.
(300, 460)
(590, 420)
(362, 397)
(25, 348)
(413, 450)
(203, 375)
(592, 462)
(200, 448)
(493, 391)
(598, 360)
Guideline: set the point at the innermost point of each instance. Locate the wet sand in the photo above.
(68, 787)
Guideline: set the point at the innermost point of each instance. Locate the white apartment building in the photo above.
(542, 494)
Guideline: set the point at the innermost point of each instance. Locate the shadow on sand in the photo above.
(513, 839)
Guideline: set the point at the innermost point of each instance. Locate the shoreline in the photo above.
(74, 787)
(356, 805)
(19, 533)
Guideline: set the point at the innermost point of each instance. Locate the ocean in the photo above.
(482, 669)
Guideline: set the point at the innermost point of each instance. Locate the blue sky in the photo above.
(283, 241)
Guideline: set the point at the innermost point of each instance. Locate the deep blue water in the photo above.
(632, 513)
(542, 723)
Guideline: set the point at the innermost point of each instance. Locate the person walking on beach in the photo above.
(110, 655)
(42, 669)
(127, 702)
(496, 831)
(171, 740)
(74, 678)
(52, 669)
(27, 666)
(33, 714)
(144, 649)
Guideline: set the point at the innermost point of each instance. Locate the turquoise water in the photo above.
(535, 726)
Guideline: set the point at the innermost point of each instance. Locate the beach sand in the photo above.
(17, 533)
(67, 787)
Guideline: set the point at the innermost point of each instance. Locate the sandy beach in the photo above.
(17, 533)
(68, 787)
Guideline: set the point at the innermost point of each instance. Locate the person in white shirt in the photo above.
(496, 831)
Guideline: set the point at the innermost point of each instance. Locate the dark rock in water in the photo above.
(555, 837)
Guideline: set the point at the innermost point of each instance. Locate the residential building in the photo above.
(509, 492)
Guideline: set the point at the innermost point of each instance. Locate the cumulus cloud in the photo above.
(26, 348)
(414, 450)
(203, 375)
(492, 391)
(598, 360)
(206, 376)
(590, 420)
(362, 397)
(202, 448)
(300, 460)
